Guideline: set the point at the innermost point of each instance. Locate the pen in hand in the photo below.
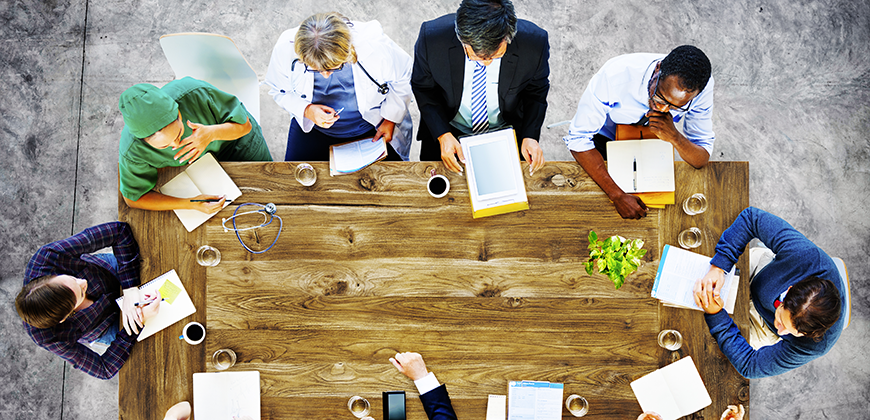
(210, 200)
(147, 303)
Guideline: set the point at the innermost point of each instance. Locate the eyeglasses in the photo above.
(657, 98)
(310, 70)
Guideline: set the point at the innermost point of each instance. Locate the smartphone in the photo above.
(394, 405)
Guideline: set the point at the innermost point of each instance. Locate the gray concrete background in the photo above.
(792, 95)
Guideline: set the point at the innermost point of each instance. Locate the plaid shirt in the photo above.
(70, 256)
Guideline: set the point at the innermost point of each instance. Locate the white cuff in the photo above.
(427, 383)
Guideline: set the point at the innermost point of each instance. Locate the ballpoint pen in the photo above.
(635, 174)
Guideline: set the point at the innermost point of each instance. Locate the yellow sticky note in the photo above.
(169, 291)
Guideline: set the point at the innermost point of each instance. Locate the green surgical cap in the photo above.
(146, 109)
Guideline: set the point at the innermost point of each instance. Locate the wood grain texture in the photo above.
(726, 185)
(369, 264)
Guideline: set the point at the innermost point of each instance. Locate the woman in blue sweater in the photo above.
(799, 295)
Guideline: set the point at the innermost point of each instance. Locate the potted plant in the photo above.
(615, 257)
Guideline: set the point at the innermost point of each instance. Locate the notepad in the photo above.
(205, 176)
(655, 165)
(495, 181)
(678, 271)
(495, 407)
(352, 156)
(673, 391)
(176, 306)
(534, 400)
(226, 395)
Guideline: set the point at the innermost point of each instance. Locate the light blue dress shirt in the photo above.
(619, 94)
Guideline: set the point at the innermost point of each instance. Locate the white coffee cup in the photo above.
(438, 185)
(186, 333)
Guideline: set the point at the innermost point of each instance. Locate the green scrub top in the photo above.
(198, 102)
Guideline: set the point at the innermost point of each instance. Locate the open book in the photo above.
(352, 156)
(226, 395)
(673, 391)
(641, 165)
(679, 270)
(176, 303)
(495, 181)
(205, 176)
(534, 400)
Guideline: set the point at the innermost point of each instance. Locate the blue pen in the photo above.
(338, 112)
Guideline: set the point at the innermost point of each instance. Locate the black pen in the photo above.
(210, 200)
(635, 174)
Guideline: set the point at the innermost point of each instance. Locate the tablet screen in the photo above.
(493, 173)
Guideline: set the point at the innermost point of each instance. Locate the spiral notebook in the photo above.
(175, 306)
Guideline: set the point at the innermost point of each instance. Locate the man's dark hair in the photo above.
(814, 306)
(43, 303)
(484, 24)
(690, 64)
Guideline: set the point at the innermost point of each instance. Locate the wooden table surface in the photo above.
(369, 264)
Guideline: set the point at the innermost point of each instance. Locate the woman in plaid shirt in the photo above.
(68, 298)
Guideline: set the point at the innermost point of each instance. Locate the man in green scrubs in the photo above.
(174, 125)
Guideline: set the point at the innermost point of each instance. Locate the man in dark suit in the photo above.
(482, 42)
(433, 395)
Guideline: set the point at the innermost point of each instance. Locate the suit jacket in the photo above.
(437, 404)
(439, 66)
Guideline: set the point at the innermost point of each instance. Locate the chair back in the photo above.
(214, 59)
(844, 275)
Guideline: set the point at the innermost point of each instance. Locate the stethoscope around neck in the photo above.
(383, 88)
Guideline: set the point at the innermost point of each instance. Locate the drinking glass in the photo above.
(223, 359)
(208, 256)
(577, 405)
(695, 204)
(690, 238)
(358, 406)
(305, 174)
(670, 340)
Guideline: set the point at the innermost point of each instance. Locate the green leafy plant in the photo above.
(615, 257)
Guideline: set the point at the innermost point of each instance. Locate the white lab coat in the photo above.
(293, 88)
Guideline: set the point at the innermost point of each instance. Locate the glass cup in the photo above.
(223, 359)
(695, 204)
(690, 238)
(358, 406)
(208, 256)
(305, 174)
(577, 405)
(670, 340)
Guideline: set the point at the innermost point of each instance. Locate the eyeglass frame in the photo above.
(659, 99)
(310, 70)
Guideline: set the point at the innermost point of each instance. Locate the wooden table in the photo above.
(369, 264)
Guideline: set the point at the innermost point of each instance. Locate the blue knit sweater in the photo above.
(796, 259)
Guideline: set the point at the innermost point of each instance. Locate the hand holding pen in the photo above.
(208, 204)
(321, 115)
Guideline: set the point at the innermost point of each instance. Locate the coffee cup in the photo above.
(193, 333)
(438, 185)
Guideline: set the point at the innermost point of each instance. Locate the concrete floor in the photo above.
(792, 95)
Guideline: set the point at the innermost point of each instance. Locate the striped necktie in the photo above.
(479, 112)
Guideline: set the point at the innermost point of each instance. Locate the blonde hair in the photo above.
(323, 41)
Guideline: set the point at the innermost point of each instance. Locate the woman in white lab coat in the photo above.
(341, 81)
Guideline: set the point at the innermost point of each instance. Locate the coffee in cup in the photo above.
(438, 186)
(193, 333)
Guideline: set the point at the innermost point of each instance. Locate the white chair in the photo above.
(217, 60)
(844, 274)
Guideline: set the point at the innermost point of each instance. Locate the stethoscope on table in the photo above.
(268, 211)
(383, 88)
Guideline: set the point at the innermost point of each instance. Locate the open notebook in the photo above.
(205, 176)
(226, 395)
(673, 391)
(678, 271)
(175, 306)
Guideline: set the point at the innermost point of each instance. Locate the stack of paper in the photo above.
(534, 400)
(679, 270)
(673, 391)
(352, 156)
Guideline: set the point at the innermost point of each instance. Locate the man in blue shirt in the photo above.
(799, 294)
(648, 89)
